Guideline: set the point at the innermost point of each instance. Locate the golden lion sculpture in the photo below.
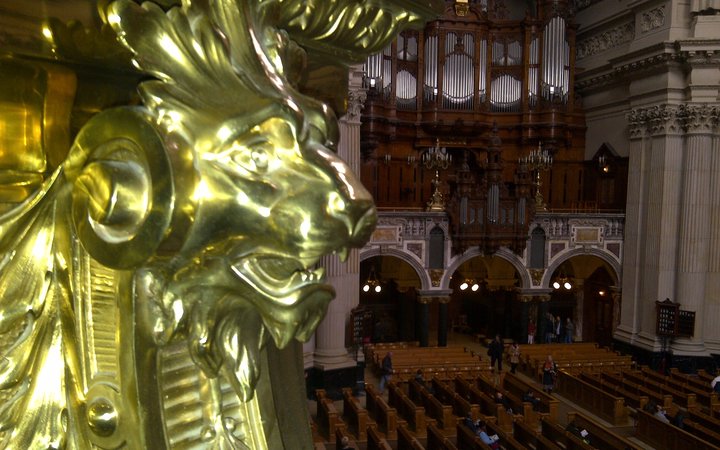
(154, 285)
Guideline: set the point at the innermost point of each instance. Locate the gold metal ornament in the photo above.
(158, 273)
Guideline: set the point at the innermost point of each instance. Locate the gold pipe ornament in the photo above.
(159, 246)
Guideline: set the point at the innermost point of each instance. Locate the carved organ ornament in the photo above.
(489, 84)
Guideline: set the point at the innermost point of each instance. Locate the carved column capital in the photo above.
(665, 119)
(637, 122)
(701, 118)
(355, 104)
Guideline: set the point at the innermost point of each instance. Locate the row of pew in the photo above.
(436, 362)
(429, 416)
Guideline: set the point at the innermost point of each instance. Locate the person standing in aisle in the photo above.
(495, 352)
(532, 329)
(569, 331)
(387, 371)
(514, 356)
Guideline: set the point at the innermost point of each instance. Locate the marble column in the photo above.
(634, 237)
(694, 236)
(330, 350)
(443, 320)
(423, 320)
(616, 294)
(711, 319)
(579, 291)
(653, 219)
(543, 309)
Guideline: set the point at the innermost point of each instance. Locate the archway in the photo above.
(484, 298)
(392, 307)
(583, 288)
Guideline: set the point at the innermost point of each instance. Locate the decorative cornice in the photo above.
(673, 119)
(579, 5)
(606, 40)
(636, 67)
(652, 19)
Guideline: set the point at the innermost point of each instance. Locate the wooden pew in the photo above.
(413, 414)
(691, 380)
(433, 407)
(659, 434)
(376, 441)
(355, 416)
(631, 399)
(564, 439)
(461, 405)
(664, 400)
(507, 440)
(530, 438)
(384, 415)
(436, 440)
(710, 422)
(339, 434)
(486, 404)
(601, 436)
(520, 408)
(703, 396)
(406, 440)
(467, 440)
(604, 404)
(702, 432)
(688, 401)
(518, 387)
(328, 418)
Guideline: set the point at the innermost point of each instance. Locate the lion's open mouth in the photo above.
(293, 298)
(277, 277)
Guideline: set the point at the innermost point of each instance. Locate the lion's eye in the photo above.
(255, 159)
(260, 158)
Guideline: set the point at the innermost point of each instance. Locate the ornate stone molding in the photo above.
(536, 275)
(699, 118)
(436, 276)
(658, 119)
(355, 104)
(702, 57)
(579, 5)
(634, 68)
(606, 40)
(673, 119)
(652, 19)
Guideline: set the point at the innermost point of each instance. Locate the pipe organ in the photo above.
(489, 80)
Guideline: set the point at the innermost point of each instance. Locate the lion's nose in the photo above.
(356, 212)
(364, 226)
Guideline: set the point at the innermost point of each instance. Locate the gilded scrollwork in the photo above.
(156, 274)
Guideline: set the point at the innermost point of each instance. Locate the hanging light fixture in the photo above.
(469, 283)
(563, 281)
(373, 282)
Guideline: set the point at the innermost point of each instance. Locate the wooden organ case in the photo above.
(484, 85)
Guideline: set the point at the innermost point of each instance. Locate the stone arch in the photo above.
(503, 253)
(604, 255)
(404, 256)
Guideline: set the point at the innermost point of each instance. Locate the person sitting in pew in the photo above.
(583, 434)
(470, 423)
(492, 441)
(421, 381)
(715, 384)
(501, 400)
(661, 414)
(529, 396)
